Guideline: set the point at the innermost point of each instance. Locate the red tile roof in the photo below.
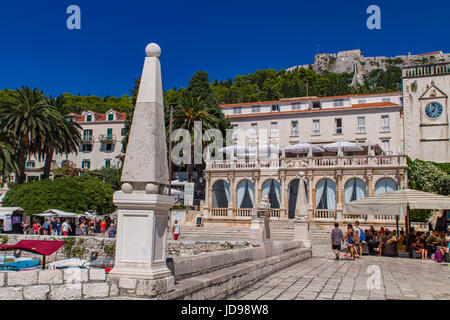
(98, 116)
(354, 106)
(430, 53)
(307, 99)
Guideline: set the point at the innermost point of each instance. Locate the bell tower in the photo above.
(426, 89)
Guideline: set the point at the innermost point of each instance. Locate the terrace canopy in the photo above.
(342, 146)
(397, 203)
(59, 213)
(303, 148)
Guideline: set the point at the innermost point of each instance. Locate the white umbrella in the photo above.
(343, 146)
(266, 149)
(303, 147)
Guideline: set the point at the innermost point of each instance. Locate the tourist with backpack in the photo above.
(361, 238)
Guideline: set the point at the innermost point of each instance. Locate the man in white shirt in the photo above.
(176, 230)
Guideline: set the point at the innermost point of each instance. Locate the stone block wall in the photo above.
(208, 276)
(67, 284)
(91, 244)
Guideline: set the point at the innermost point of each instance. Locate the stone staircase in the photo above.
(319, 235)
(194, 233)
(280, 230)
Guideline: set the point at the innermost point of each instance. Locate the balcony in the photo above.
(332, 163)
(87, 139)
(107, 138)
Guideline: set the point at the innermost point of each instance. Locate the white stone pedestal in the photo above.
(260, 228)
(141, 239)
(301, 232)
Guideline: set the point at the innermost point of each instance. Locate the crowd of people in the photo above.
(431, 245)
(67, 227)
(434, 244)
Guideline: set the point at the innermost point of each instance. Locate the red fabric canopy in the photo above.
(44, 247)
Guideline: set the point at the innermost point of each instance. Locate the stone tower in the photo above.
(426, 111)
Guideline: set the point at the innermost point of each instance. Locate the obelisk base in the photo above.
(141, 239)
(301, 231)
(259, 228)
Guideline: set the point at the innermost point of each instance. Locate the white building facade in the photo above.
(101, 145)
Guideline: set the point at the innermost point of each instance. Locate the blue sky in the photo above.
(224, 38)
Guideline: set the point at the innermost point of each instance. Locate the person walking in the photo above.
(103, 227)
(58, 227)
(176, 230)
(337, 237)
(53, 225)
(350, 241)
(91, 228)
(83, 229)
(46, 227)
(361, 236)
(112, 231)
(25, 227)
(36, 227)
(66, 228)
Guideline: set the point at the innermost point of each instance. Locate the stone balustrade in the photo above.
(341, 162)
(426, 70)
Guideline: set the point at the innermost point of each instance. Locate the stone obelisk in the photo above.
(143, 208)
(301, 221)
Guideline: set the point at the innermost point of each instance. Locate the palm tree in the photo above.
(7, 163)
(193, 109)
(30, 120)
(65, 136)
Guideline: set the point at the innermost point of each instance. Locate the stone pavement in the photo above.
(322, 277)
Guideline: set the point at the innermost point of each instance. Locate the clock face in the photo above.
(434, 110)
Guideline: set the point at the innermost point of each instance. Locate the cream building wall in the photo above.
(427, 138)
(347, 108)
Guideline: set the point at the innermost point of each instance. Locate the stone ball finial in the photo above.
(153, 50)
(127, 187)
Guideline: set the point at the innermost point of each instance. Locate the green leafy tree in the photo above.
(111, 176)
(429, 177)
(64, 136)
(193, 109)
(29, 119)
(199, 87)
(7, 163)
(73, 194)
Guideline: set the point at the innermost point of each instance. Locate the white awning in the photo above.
(396, 202)
(59, 213)
(9, 210)
(303, 148)
(344, 146)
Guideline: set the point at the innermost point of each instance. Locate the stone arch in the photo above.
(292, 195)
(385, 185)
(221, 194)
(354, 189)
(245, 193)
(325, 194)
(271, 188)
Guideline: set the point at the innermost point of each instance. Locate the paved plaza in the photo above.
(322, 277)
